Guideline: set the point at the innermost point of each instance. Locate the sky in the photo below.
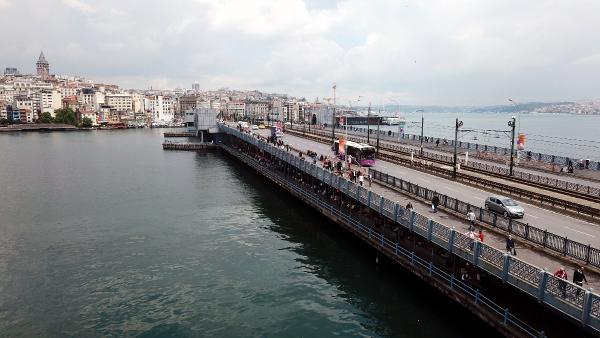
(428, 52)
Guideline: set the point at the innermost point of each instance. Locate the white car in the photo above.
(254, 127)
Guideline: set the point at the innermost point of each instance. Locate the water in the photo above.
(104, 234)
(568, 135)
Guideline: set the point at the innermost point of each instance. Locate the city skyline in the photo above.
(475, 54)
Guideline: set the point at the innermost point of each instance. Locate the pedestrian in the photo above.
(471, 236)
(437, 142)
(360, 179)
(370, 179)
(471, 218)
(579, 278)
(587, 163)
(481, 236)
(562, 285)
(510, 246)
(434, 203)
(409, 207)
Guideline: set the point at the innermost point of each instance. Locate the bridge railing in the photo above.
(522, 276)
(583, 252)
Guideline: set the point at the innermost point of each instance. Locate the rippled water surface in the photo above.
(105, 234)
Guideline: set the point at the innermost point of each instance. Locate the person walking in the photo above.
(434, 203)
(471, 218)
(579, 278)
(409, 207)
(370, 179)
(481, 236)
(510, 246)
(360, 179)
(562, 285)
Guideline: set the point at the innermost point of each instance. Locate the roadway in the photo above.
(448, 151)
(563, 225)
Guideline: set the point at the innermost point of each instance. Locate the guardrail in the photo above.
(527, 177)
(559, 244)
(562, 295)
(395, 251)
(430, 140)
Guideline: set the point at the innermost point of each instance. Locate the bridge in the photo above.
(436, 252)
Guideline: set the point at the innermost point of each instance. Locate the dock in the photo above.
(189, 146)
(179, 134)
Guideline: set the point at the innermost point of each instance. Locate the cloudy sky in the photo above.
(414, 52)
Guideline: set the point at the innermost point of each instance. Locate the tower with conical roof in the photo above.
(43, 67)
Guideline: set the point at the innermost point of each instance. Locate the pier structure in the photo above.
(507, 289)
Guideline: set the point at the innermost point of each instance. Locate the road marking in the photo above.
(581, 232)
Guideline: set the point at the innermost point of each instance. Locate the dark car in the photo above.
(504, 206)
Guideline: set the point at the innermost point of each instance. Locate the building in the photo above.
(119, 102)
(196, 86)
(90, 114)
(236, 110)
(50, 100)
(43, 67)
(201, 121)
(161, 108)
(11, 71)
(258, 110)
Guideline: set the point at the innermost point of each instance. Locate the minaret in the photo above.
(43, 67)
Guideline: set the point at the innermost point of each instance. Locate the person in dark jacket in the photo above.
(579, 278)
(434, 203)
(510, 246)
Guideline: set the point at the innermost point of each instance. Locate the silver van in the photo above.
(505, 206)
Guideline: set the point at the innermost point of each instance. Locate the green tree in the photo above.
(46, 118)
(86, 122)
(66, 116)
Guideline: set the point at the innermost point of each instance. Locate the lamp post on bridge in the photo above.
(457, 125)
(511, 124)
(333, 116)
(422, 126)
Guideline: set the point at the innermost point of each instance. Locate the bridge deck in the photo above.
(560, 224)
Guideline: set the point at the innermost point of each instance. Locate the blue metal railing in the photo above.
(526, 277)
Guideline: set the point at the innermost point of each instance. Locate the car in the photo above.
(505, 206)
(254, 127)
(261, 126)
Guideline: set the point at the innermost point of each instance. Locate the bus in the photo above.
(362, 154)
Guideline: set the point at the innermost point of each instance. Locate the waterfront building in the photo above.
(258, 110)
(90, 114)
(236, 109)
(43, 67)
(120, 102)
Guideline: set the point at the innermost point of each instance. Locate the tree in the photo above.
(66, 116)
(86, 122)
(46, 118)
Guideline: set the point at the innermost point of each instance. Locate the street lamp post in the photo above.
(422, 126)
(378, 122)
(368, 123)
(511, 124)
(333, 116)
(457, 125)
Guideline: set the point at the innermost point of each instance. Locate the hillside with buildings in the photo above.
(25, 97)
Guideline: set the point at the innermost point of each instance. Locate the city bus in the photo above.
(362, 154)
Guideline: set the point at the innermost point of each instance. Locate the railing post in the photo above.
(381, 205)
(542, 285)
(587, 307)
(545, 238)
(412, 221)
(587, 254)
(369, 199)
(429, 229)
(451, 240)
(505, 320)
(565, 240)
(476, 252)
(505, 267)
(476, 296)
(397, 208)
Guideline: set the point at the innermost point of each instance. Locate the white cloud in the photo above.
(435, 52)
(79, 5)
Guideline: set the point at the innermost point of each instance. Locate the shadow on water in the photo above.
(395, 301)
